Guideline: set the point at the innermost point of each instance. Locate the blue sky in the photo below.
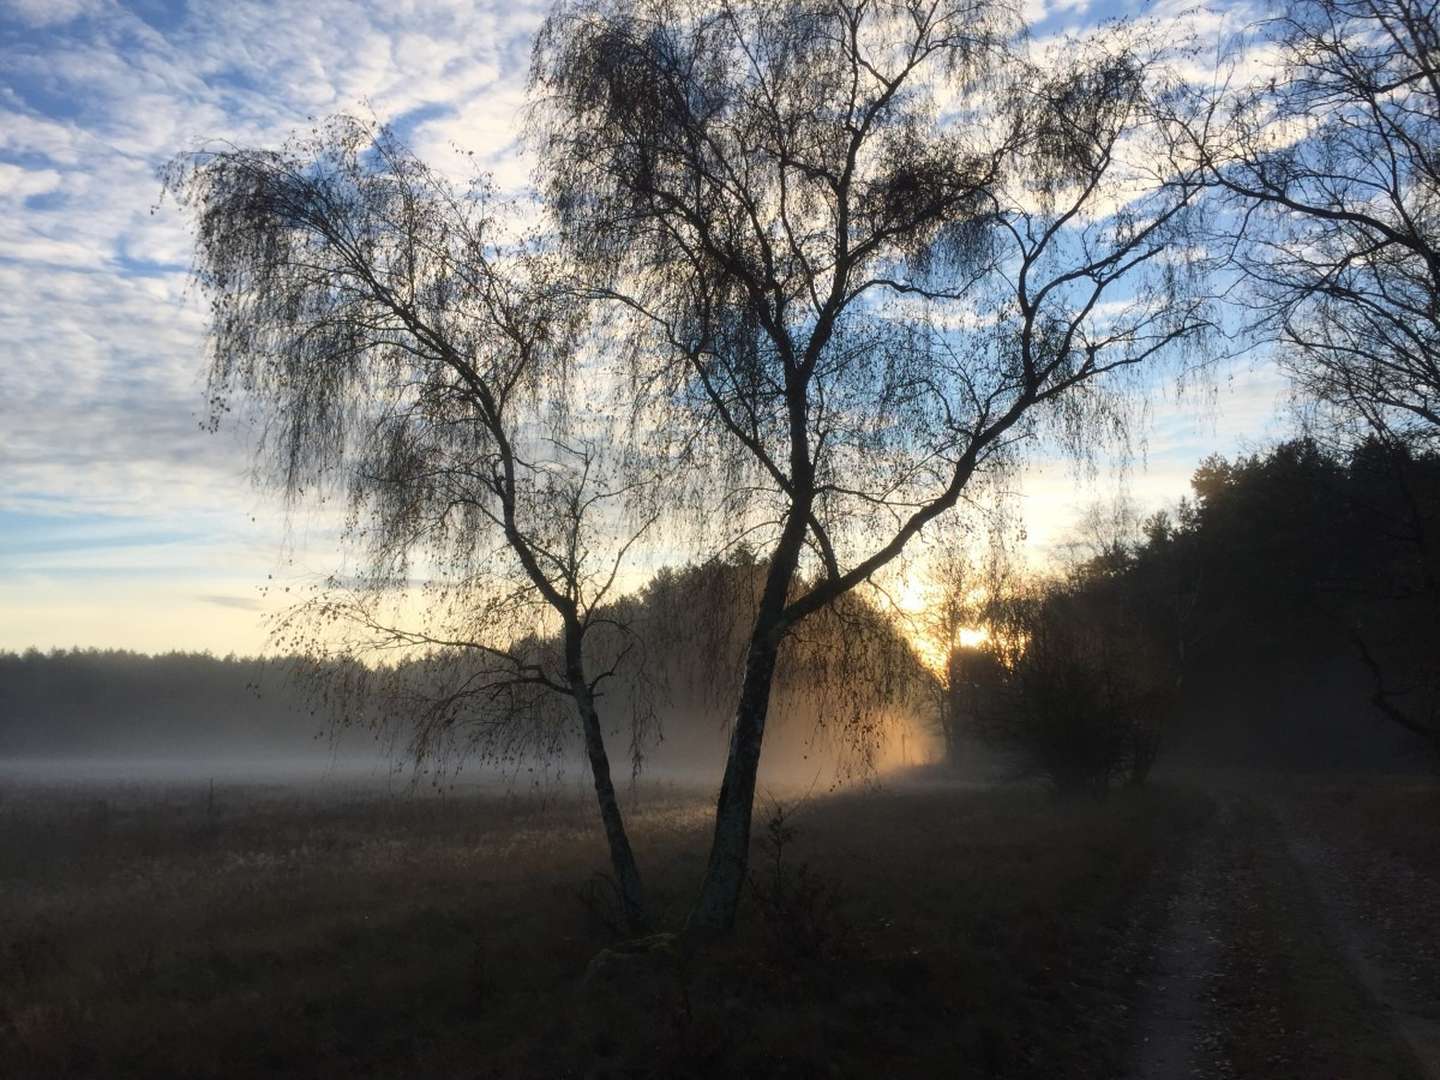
(122, 523)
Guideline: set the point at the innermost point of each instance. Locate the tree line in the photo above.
(114, 703)
(1286, 612)
(843, 690)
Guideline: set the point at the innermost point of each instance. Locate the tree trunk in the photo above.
(714, 912)
(622, 858)
(947, 723)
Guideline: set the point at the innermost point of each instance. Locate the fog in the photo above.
(299, 770)
(1185, 827)
(693, 758)
(183, 717)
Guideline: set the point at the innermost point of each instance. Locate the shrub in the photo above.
(1078, 692)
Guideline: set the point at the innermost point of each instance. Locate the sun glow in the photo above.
(932, 641)
(972, 637)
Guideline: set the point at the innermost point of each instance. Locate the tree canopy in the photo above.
(863, 248)
(1328, 160)
(822, 265)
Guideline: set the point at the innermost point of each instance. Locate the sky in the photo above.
(122, 522)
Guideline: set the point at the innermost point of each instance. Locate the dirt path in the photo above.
(1375, 958)
(1177, 1034)
(1266, 969)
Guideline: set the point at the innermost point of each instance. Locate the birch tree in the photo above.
(1330, 164)
(865, 247)
(395, 343)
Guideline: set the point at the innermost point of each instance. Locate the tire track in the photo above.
(1177, 1034)
(1413, 1021)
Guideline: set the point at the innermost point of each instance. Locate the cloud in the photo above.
(1238, 413)
(101, 330)
(37, 13)
(243, 603)
(21, 184)
(101, 382)
(101, 368)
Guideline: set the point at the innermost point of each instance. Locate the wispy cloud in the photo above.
(101, 385)
(101, 339)
(243, 603)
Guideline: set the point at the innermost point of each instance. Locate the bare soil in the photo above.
(1178, 1032)
(1297, 944)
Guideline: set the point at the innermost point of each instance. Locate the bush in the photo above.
(1078, 694)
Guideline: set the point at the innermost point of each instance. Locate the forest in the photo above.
(193, 708)
(1282, 615)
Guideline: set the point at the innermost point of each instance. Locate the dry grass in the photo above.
(1383, 860)
(1291, 1007)
(949, 931)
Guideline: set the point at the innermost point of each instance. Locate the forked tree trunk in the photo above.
(714, 912)
(622, 858)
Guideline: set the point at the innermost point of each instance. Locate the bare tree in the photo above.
(393, 342)
(1332, 162)
(1084, 687)
(962, 575)
(952, 611)
(865, 246)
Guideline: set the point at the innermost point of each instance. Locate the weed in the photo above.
(801, 909)
(432, 935)
(603, 904)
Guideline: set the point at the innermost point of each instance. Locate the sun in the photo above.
(914, 599)
(972, 637)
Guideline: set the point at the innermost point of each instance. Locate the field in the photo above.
(919, 928)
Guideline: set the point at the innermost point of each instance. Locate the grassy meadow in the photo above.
(155, 932)
(918, 928)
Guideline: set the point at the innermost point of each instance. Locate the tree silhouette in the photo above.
(864, 247)
(392, 339)
(1332, 171)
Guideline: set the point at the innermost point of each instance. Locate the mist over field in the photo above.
(1160, 819)
(89, 719)
(744, 588)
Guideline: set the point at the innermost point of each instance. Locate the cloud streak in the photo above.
(101, 385)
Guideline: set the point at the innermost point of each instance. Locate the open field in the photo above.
(918, 929)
